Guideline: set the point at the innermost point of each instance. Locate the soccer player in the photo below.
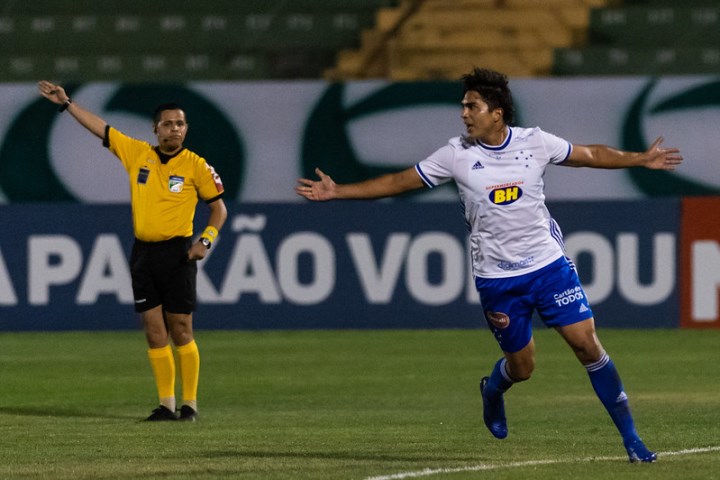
(165, 183)
(517, 252)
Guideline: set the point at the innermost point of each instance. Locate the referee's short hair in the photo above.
(165, 106)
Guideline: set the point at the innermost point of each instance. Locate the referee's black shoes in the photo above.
(188, 414)
(161, 414)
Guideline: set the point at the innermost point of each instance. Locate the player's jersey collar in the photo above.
(498, 147)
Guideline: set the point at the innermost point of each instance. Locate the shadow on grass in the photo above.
(61, 413)
(384, 457)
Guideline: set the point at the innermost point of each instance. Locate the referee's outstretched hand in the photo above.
(54, 93)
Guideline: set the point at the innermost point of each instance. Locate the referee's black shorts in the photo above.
(163, 275)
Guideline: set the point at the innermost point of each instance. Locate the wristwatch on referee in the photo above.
(206, 242)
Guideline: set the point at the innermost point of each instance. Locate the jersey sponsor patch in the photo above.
(143, 175)
(569, 296)
(176, 183)
(498, 319)
(512, 266)
(506, 195)
(216, 180)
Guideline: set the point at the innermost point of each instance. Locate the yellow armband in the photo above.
(210, 233)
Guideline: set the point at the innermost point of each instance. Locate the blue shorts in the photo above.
(508, 303)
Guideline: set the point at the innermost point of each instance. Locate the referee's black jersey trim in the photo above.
(214, 199)
(164, 157)
(106, 138)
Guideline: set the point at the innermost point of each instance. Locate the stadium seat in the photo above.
(228, 7)
(670, 3)
(438, 39)
(218, 39)
(199, 33)
(652, 37)
(653, 26)
(636, 61)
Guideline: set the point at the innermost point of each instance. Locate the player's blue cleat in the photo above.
(493, 412)
(638, 452)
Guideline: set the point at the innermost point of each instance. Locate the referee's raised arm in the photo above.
(57, 95)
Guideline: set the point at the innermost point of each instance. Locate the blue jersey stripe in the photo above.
(498, 147)
(556, 233)
(567, 155)
(424, 177)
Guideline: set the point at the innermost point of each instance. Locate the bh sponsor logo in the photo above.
(505, 195)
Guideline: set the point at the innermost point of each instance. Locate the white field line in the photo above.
(428, 472)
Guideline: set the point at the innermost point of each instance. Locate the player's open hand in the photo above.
(662, 158)
(54, 93)
(319, 191)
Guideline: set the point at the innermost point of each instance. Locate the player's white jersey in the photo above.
(501, 189)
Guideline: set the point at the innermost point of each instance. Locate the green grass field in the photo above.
(352, 405)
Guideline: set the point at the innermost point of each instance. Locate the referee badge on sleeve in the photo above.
(143, 175)
(176, 183)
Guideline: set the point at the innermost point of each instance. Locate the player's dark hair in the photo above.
(162, 107)
(493, 88)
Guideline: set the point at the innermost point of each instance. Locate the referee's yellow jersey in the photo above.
(163, 194)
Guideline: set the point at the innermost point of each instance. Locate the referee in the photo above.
(165, 183)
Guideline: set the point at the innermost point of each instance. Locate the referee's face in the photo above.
(171, 130)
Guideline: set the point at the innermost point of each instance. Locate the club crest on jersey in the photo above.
(175, 184)
(498, 320)
(505, 195)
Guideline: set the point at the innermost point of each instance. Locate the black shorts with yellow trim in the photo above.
(162, 275)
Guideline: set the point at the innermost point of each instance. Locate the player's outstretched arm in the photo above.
(603, 156)
(384, 186)
(57, 95)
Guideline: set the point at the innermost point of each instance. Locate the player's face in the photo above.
(480, 121)
(171, 130)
